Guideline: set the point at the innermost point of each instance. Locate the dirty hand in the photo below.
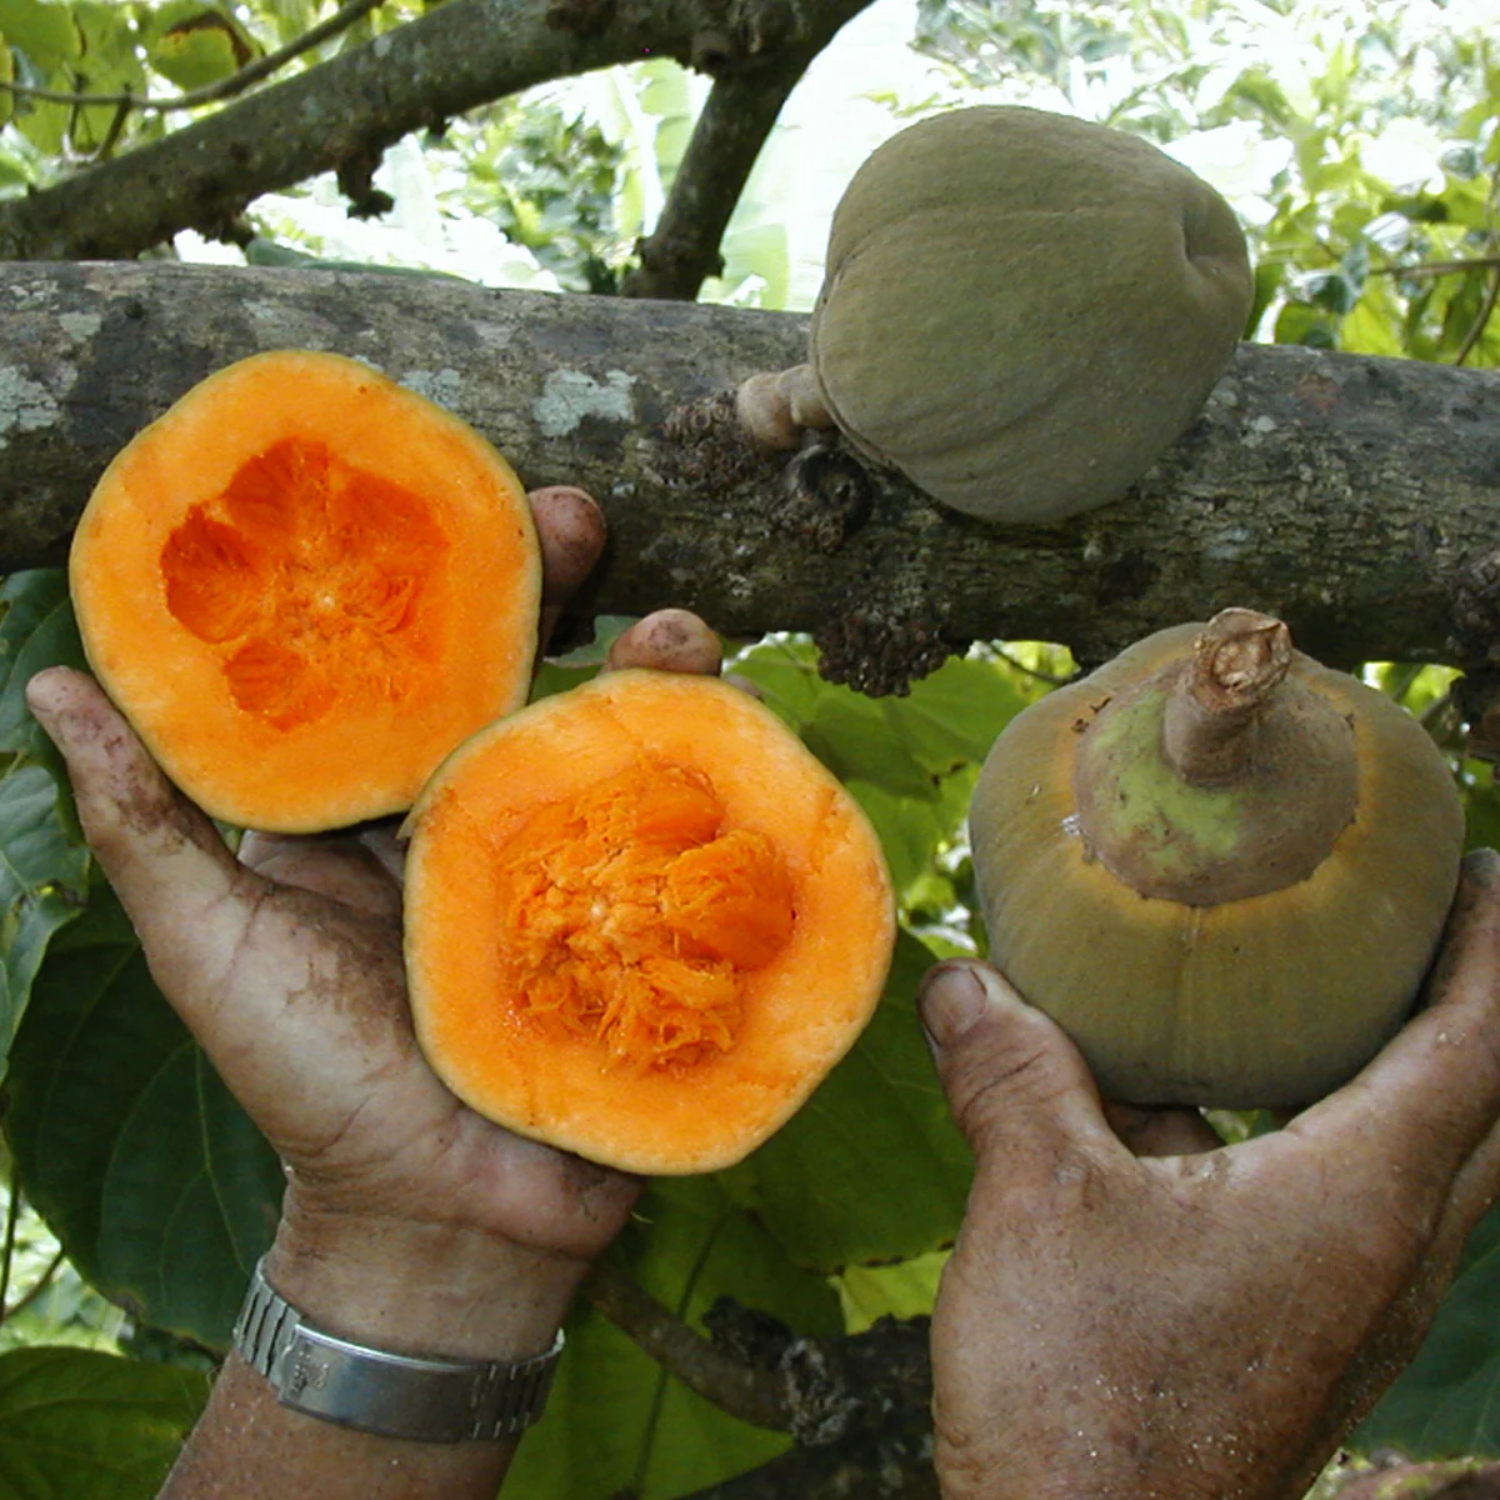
(286, 963)
(1203, 1325)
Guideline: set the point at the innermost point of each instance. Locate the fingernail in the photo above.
(39, 699)
(952, 999)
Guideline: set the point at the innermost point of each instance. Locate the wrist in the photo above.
(417, 1287)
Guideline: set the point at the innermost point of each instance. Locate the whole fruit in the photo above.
(1021, 311)
(1221, 867)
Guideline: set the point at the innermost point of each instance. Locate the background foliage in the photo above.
(1360, 145)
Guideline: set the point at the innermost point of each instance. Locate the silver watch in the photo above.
(395, 1395)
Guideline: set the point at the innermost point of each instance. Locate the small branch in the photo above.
(37, 1287)
(1052, 679)
(742, 108)
(1481, 321)
(8, 1251)
(1439, 267)
(753, 1395)
(225, 88)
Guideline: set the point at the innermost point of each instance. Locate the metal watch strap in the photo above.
(395, 1395)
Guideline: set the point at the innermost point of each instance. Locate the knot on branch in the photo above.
(881, 650)
(1476, 611)
(356, 178)
(863, 1386)
(763, 26)
(825, 495)
(871, 1385)
(707, 447)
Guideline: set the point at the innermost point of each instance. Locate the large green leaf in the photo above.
(44, 865)
(37, 630)
(42, 874)
(1447, 1402)
(903, 745)
(872, 1167)
(46, 33)
(616, 1422)
(91, 1426)
(156, 1183)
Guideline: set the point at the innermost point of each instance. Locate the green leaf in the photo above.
(42, 879)
(1447, 1401)
(1365, 331)
(37, 630)
(616, 1422)
(45, 33)
(91, 1426)
(44, 865)
(155, 1182)
(872, 1167)
(194, 44)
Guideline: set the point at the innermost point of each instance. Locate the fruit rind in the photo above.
(1021, 310)
(1264, 1002)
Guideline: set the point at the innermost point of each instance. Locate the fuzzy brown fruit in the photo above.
(1021, 311)
(1221, 867)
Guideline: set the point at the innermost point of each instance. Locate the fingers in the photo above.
(163, 857)
(1161, 1132)
(1433, 1094)
(571, 532)
(1017, 1087)
(360, 871)
(671, 640)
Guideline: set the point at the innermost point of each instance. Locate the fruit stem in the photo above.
(1238, 662)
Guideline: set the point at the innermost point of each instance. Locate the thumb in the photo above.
(1019, 1090)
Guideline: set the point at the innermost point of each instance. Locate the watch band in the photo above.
(395, 1395)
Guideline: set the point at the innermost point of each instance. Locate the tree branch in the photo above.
(748, 94)
(347, 111)
(211, 93)
(1357, 498)
(858, 1405)
(751, 1394)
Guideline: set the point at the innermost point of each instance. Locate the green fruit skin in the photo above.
(1021, 311)
(1267, 1002)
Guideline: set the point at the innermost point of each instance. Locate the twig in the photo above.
(1481, 321)
(733, 1386)
(8, 1251)
(741, 109)
(1439, 267)
(37, 1287)
(1051, 678)
(211, 93)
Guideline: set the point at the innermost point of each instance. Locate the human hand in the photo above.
(1204, 1325)
(409, 1221)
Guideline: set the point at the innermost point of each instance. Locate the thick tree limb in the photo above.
(683, 249)
(346, 111)
(1358, 498)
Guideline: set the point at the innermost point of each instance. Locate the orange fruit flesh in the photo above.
(643, 922)
(305, 585)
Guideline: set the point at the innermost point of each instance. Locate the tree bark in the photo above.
(341, 115)
(1357, 498)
